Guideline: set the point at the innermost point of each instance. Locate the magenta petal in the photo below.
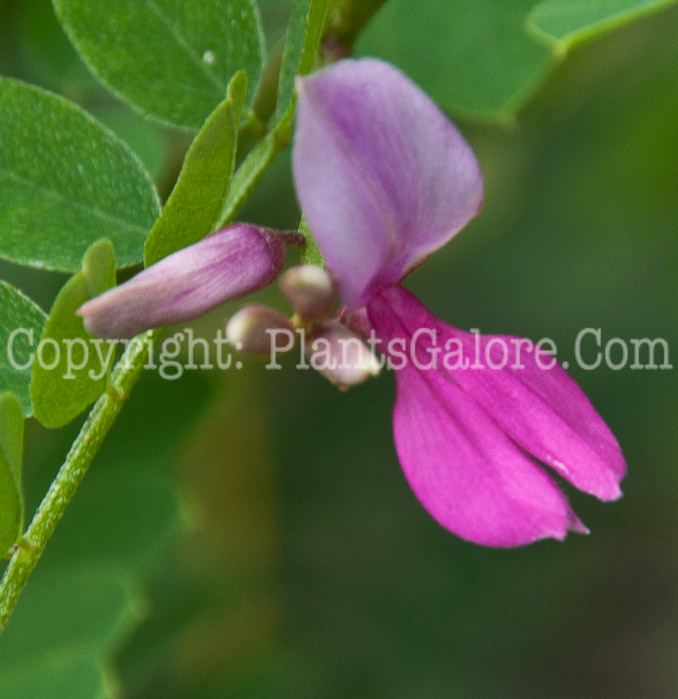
(534, 402)
(225, 265)
(463, 435)
(383, 177)
(467, 473)
(546, 413)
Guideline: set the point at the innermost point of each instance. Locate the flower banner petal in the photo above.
(383, 177)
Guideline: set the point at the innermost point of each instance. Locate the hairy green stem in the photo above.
(100, 420)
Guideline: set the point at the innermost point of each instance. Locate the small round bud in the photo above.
(341, 355)
(258, 329)
(310, 290)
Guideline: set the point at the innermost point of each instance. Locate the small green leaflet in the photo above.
(46, 50)
(74, 617)
(71, 370)
(11, 451)
(483, 59)
(71, 677)
(199, 194)
(171, 60)
(151, 142)
(21, 323)
(565, 23)
(65, 182)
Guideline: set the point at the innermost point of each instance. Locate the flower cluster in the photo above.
(384, 180)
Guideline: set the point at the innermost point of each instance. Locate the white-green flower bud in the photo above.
(254, 329)
(310, 290)
(341, 355)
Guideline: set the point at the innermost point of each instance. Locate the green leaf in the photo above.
(11, 451)
(564, 23)
(71, 369)
(82, 612)
(171, 60)
(65, 182)
(254, 166)
(148, 140)
(21, 324)
(55, 676)
(472, 56)
(48, 53)
(303, 37)
(124, 519)
(205, 178)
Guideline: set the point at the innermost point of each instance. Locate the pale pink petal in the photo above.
(383, 177)
(227, 264)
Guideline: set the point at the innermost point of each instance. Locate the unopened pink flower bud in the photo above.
(225, 265)
(310, 290)
(258, 329)
(341, 355)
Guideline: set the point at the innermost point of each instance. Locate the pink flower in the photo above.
(384, 180)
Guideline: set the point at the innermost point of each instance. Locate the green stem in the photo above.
(253, 167)
(310, 253)
(344, 20)
(29, 549)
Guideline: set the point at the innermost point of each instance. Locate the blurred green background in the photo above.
(249, 533)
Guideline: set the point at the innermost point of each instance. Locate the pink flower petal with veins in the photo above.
(465, 437)
(382, 175)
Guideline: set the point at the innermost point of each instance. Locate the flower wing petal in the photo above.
(546, 413)
(531, 398)
(467, 473)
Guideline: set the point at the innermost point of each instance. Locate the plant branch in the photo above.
(100, 420)
(345, 19)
